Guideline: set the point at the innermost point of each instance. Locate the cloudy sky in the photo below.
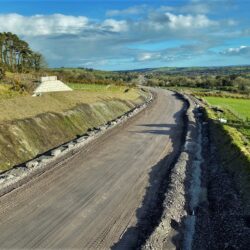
(129, 34)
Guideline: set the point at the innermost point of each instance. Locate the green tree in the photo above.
(16, 55)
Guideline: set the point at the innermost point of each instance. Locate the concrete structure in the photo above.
(50, 84)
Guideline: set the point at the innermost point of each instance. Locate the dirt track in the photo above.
(90, 200)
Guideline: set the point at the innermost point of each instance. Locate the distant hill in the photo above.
(223, 70)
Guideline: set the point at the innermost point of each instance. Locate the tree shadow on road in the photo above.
(158, 129)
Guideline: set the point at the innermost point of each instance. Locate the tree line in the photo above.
(17, 56)
(90, 76)
(237, 83)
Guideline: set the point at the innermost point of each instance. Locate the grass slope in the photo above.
(28, 106)
(32, 125)
(234, 155)
(232, 140)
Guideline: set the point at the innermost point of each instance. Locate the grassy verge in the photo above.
(28, 106)
(32, 125)
(235, 111)
(232, 139)
(234, 154)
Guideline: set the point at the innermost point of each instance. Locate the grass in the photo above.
(233, 152)
(32, 125)
(236, 111)
(240, 107)
(6, 92)
(20, 107)
(97, 87)
(232, 140)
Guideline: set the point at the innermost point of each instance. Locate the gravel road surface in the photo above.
(90, 200)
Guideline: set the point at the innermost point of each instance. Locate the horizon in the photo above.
(148, 68)
(130, 35)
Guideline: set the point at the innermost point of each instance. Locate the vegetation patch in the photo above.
(7, 92)
(232, 139)
(234, 155)
(28, 106)
(236, 111)
(30, 126)
(240, 107)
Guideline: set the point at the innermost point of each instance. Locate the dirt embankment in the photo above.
(23, 139)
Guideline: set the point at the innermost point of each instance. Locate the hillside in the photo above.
(223, 70)
(32, 125)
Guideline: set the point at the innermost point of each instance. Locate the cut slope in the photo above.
(28, 106)
(35, 125)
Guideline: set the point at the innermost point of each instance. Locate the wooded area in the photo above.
(236, 83)
(16, 55)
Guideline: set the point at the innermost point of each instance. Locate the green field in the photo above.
(240, 107)
(97, 87)
(236, 111)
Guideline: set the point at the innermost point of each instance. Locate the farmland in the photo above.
(240, 107)
(236, 111)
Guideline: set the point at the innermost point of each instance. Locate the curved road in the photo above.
(90, 200)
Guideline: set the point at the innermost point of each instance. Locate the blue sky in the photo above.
(116, 35)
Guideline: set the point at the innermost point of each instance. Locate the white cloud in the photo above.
(152, 56)
(58, 24)
(237, 49)
(147, 56)
(67, 40)
(242, 50)
(189, 21)
(172, 25)
(42, 25)
(202, 7)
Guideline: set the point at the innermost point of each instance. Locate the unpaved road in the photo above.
(90, 200)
